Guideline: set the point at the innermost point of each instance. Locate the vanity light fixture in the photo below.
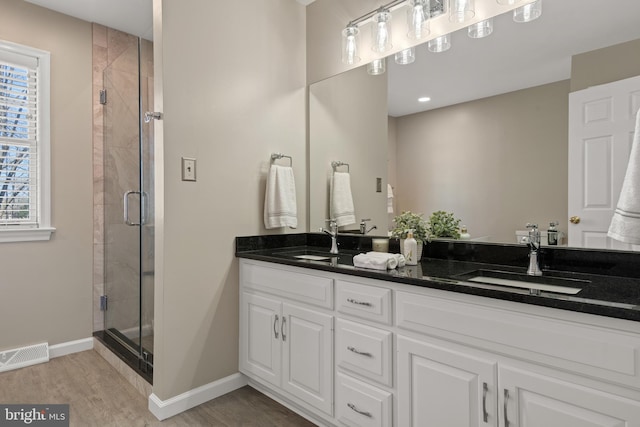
(418, 19)
(381, 31)
(406, 56)
(419, 15)
(424, 99)
(439, 44)
(461, 10)
(350, 37)
(528, 12)
(377, 66)
(480, 29)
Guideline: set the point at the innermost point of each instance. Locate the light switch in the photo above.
(188, 169)
(378, 185)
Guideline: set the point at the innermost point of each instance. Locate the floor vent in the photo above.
(24, 356)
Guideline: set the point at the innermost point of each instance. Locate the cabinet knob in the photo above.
(574, 220)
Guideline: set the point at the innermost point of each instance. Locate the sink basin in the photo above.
(535, 284)
(308, 254)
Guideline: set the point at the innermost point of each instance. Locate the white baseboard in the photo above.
(164, 409)
(69, 347)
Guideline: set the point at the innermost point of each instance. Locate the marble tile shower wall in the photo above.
(115, 149)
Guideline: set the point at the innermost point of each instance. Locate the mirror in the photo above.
(496, 127)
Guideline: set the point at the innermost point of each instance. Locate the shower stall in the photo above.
(128, 191)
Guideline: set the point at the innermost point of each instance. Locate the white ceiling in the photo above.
(515, 56)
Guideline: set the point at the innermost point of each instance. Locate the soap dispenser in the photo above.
(552, 234)
(410, 249)
(464, 234)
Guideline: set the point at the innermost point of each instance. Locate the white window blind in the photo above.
(25, 188)
(18, 141)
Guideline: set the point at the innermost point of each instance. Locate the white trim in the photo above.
(164, 409)
(70, 347)
(44, 230)
(25, 234)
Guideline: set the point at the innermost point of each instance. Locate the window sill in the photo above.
(26, 234)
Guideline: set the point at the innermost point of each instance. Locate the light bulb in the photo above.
(481, 29)
(381, 32)
(461, 11)
(350, 45)
(439, 44)
(406, 56)
(418, 19)
(528, 12)
(377, 66)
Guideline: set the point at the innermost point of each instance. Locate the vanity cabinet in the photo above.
(441, 387)
(359, 352)
(528, 399)
(284, 343)
(484, 368)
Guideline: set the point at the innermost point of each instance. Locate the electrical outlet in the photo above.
(188, 169)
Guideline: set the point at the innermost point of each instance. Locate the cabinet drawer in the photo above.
(364, 350)
(360, 404)
(364, 301)
(603, 353)
(301, 287)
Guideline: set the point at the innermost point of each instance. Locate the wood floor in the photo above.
(98, 396)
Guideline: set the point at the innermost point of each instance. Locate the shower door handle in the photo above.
(126, 207)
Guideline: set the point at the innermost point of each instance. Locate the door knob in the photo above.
(574, 220)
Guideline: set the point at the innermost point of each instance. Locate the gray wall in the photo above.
(232, 89)
(347, 122)
(496, 163)
(45, 288)
(605, 65)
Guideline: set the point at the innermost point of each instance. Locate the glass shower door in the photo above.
(128, 204)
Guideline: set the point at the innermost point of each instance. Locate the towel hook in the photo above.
(336, 164)
(276, 156)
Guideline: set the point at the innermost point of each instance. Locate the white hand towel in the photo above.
(625, 224)
(341, 199)
(400, 260)
(389, 199)
(370, 262)
(280, 209)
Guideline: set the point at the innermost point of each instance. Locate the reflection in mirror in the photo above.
(348, 123)
(492, 145)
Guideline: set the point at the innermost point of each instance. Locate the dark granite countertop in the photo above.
(445, 266)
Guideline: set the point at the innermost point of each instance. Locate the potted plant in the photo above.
(444, 224)
(406, 221)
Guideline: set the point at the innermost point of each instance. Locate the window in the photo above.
(24, 144)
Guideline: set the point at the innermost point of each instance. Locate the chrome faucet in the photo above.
(333, 232)
(363, 226)
(533, 240)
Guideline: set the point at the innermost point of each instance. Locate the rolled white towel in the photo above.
(371, 262)
(400, 259)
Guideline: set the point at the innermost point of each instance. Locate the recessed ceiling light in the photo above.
(424, 99)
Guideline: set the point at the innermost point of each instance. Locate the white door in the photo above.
(601, 125)
(260, 345)
(308, 356)
(441, 387)
(531, 400)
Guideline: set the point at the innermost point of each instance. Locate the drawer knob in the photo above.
(354, 408)
(353, 301)
(361, 353)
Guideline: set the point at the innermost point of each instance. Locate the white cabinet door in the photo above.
(308, 356)
(260, 345)
(531, 400)
(443, 387)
